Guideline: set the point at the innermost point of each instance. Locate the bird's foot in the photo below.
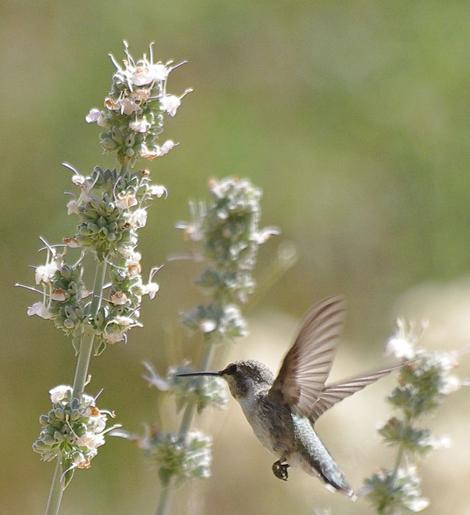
(280, 470)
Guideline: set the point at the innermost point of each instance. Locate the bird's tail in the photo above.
(340, 486)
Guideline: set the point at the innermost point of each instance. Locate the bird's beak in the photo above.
(191, 374)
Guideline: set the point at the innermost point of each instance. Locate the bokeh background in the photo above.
(354, 118)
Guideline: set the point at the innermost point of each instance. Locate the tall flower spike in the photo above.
(134, 110)
(423, 383)
(227, 234)
(111, 208)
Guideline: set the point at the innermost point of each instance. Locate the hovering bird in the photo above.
(282, 411)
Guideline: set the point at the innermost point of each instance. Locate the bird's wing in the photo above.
(307, 364)
(336, 392)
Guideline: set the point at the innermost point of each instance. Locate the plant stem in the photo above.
(56, 491)
(81, 373)
(397, 462)
(186, 421)
(400, 451)
(86, 345)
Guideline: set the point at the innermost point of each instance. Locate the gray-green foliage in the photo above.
(72, 429)
(227, 234)
(423, 383)
(180, 458)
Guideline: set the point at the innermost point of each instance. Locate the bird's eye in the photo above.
(231, 369)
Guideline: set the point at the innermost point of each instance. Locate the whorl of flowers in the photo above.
(201, 391)
(134, 110)
(228, 231)
(111, 207)
(178, 456)
(423, 384)
(72, 430)
(393, 493)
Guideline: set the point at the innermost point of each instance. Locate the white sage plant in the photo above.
(110, 206)
(424, 382)
(227, 236)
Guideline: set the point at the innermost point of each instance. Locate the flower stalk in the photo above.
(57, 489)
(227, 234)
(86, 345)
(424, 382)
(111, 207)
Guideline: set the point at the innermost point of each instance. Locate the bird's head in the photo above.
(242, 377)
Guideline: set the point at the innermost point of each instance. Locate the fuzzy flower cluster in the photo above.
(111, 208)
(63, 291)
(399, 492)
(72, 430)
(134, 110)
(200, 391)
(179, 457)
(228, 230)
(424, 381)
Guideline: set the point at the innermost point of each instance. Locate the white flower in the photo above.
(118, 298)
(88, 399)
(448, 360)
(158, 191)
(59, 393)
(111, 104)
(39, 309)
(126, 200)
(170, 104)
(141, 95)
(442, 442)
(401, 344)
(128, 106)
(133, 268)
(148, 153)
(400, 348)
(418, 504)
(72, 207)
(264, 234)
(167, 146)
(115, 337)
(59, 294)
(44, 273)
(159, 71)
(451, 384)
(124, 321)
(140, 125)
(93, 115)
(91, 440)
(207, 325)
(150, 289)
(145, 73)
(141, 75)
(138, 218)
(131, 255)
(80, 461)
(156, 151)
(96, 116)
(78, 180)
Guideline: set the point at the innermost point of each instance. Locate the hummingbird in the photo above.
(283, 410)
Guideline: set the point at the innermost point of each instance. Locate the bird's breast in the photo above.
(271, 423)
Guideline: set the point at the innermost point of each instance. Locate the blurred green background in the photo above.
(354, 118)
